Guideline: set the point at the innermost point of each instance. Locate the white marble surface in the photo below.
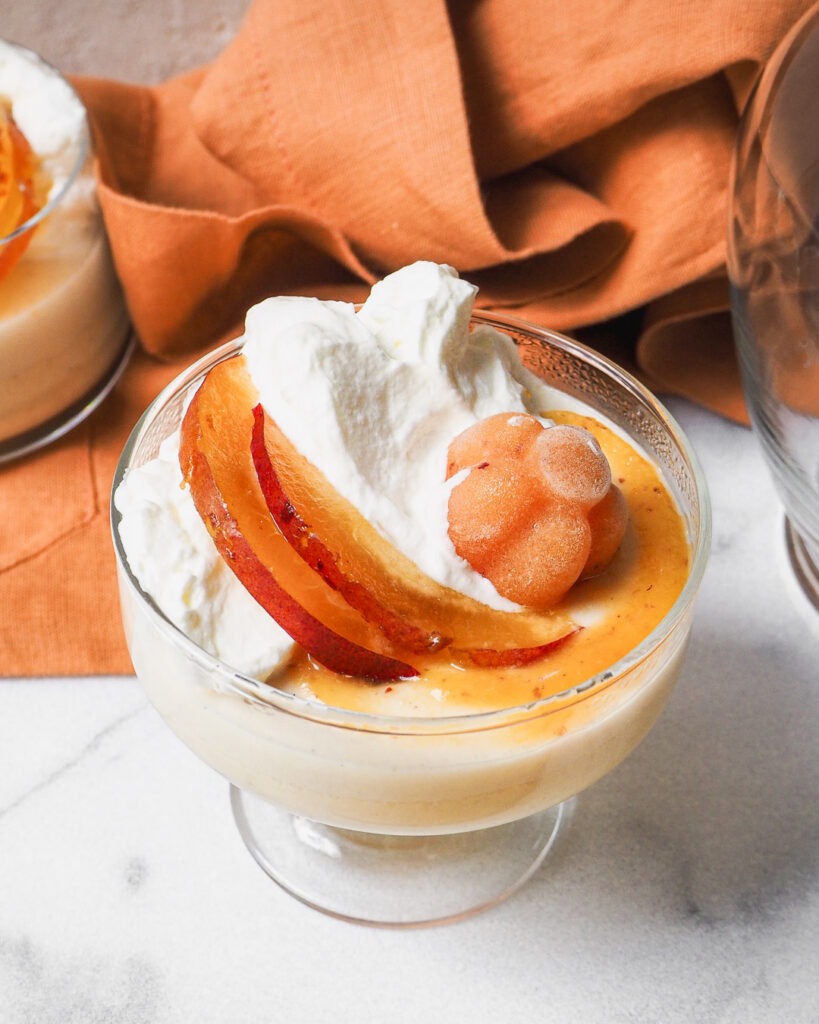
(687, 889)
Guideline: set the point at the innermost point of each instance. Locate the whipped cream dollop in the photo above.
(374, 399)
(172, 555)
(47, 110)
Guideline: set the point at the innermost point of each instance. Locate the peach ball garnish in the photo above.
(536, 510)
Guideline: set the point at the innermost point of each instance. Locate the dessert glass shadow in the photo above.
(403, 821)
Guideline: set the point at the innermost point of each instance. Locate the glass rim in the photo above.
(268, 696)
(82, 153)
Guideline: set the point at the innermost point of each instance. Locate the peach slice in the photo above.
(509, 658)
(320, 558)
(221, 482)
(17, 193)
(383, 584)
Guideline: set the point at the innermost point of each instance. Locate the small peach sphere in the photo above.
(573, 464)
(506, 435)
(541, 563)
(486, 508)
(608, 520)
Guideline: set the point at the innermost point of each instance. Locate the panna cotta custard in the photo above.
(63, 325)
(407, 569)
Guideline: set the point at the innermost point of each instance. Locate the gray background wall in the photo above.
(133, 40)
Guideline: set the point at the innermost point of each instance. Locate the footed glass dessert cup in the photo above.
(773, 264)
(405, 821)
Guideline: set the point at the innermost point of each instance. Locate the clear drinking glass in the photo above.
(64, 332)
(773, 263)
(402, 821)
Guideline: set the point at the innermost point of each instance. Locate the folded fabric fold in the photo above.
(575, 165)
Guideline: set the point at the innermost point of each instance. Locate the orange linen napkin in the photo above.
(571, 160)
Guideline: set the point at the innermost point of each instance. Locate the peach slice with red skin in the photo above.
(320, 558)
(512, 658)
(334, 651)
(338, 571)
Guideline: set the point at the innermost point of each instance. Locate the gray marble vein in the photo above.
(91, 747)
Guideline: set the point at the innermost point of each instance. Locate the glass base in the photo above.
(394, 881)
(805, 568)
(32, 440)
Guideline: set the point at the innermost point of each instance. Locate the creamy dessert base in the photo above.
(405, 777)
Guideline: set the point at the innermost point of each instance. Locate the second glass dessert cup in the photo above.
(65, 335)
(400, 821)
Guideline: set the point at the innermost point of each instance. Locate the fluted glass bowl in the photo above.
(396, 820)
